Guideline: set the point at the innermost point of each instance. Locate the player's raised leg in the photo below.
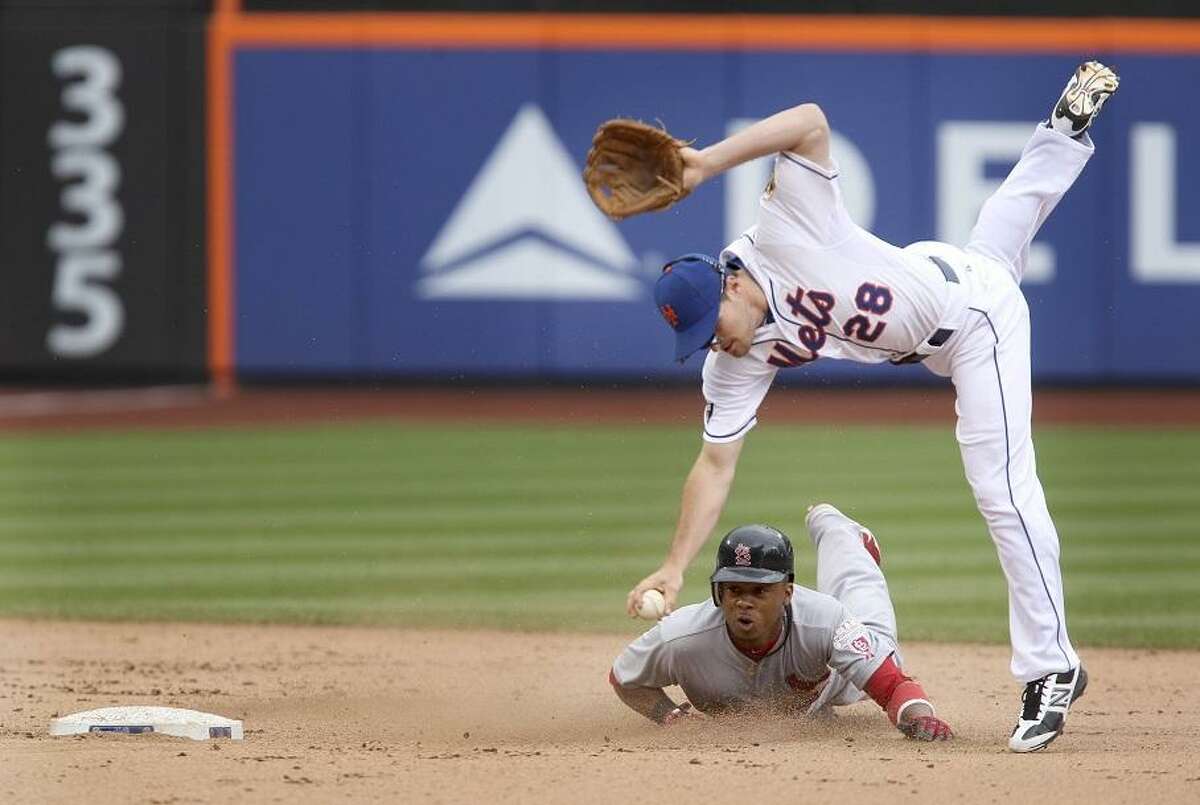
(848, 568)
(1049, 165)
(992, 378)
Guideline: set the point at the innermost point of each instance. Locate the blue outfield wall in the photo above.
(419, 212)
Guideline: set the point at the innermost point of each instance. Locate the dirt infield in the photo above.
(191, 407)
(389, 715)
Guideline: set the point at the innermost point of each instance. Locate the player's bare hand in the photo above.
(684, 712)
(694, 168)
(668, 582)
(927, 728)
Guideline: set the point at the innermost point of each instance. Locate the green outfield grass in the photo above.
(538, 528)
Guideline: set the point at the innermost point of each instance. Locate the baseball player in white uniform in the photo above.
(763, 641)
(805, 282)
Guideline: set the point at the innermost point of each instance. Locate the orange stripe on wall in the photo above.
(220, 208)
(707, 32)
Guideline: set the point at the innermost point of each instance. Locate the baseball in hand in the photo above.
(653, 605)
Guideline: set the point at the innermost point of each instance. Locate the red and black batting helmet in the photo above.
(756, 554)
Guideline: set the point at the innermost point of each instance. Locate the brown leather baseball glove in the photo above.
(633, 168)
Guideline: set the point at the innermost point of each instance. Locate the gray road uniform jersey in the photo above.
(825, 658)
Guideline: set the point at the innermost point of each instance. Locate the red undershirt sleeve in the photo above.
(893, 691)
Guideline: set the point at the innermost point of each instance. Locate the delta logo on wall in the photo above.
(526, 229)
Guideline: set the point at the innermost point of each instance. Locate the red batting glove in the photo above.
(927, 728)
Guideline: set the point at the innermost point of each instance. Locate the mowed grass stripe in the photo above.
(550, 509)
(540, 457)
(30, 473)
(561, 517)
(395, 524)
(947, 534)
(966, 583)
(179, 487)
(321, 492)
(354, 447)
(1149, 561)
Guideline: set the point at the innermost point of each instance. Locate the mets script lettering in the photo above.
(813, 307)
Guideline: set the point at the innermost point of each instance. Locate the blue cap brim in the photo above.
(697, 337)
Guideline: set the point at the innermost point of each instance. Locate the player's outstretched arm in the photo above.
(801, 130)
(653, 703)
(904, 700)
(704, 495)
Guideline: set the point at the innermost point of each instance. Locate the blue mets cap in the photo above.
(688, 295)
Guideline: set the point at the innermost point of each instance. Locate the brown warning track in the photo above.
(199, 407)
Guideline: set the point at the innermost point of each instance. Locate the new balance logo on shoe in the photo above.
(526, 229)
(1044, 706)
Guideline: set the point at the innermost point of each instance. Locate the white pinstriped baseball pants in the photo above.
(989, 364)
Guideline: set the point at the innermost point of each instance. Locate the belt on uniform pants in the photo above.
(942, 334)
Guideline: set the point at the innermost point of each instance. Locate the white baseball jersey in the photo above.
(691, 648)
(838, 291)
(834, 290)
